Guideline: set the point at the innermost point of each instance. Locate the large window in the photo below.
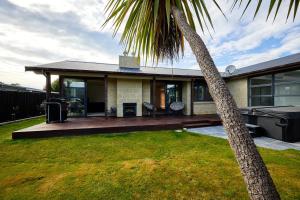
(261, 93)
(281, 89)
(201, 92)
(287, 88)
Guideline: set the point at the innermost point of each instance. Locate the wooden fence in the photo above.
(18, 105)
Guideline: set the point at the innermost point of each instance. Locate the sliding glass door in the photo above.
(166, 93)
(173, 94)
(75, 93)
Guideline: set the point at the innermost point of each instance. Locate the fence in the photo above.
(18, 105)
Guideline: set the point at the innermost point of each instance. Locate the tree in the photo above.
(157, 28)
(55, 86)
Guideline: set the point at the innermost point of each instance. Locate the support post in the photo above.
(192, 97)
(105, 96)
(153, 95)
(48, 85)
(61, 86)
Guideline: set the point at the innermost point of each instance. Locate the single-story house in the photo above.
(120, 89)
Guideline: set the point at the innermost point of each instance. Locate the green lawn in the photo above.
(148, 165)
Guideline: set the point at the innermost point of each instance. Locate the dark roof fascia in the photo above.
(280, 68)
(42, 70)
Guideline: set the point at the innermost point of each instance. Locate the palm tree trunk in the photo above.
(256, 176)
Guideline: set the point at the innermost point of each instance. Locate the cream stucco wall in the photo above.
(204, 107)
(129, 91)
(111, 93)
(239, 91)
(186, 97)
(146, 91)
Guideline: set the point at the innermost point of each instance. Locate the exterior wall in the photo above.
(239, 91)
(146, 91)
(129, 91)
(204, 107)
(111, 93)
(186, 97)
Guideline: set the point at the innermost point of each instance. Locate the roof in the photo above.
(113, 68)
(79, 66)
(280, 63)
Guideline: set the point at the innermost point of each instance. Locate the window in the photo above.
(261, 91)
(287, 88)
(201, 92)
(281, 89)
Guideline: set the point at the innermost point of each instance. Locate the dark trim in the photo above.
(85, 98)
(48, 85)
(105, 95)
(192, 97)
(273, 89)
(61, 86)
(153, 94)
(248, 92)
(84, 77)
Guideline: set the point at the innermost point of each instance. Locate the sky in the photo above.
(34, 32)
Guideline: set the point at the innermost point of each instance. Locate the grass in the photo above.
(147, 165)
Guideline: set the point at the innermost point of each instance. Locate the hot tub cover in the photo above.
(290, 112)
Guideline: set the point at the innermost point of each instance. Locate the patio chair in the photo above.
(177, 107)
(113, 111)
(149, 107)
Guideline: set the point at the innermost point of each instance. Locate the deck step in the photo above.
(215, 121)
(196, 121)
(197, 125)
(254, 130)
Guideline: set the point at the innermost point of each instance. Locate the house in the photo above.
(96, 89)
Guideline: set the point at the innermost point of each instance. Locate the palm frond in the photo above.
(150, 28)
(273, 5)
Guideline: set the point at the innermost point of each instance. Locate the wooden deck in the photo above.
(94, 125)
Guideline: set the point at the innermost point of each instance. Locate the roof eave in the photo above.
(279, 68)
(40, 70)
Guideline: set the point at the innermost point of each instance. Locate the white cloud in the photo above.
(37, 32)
(90, 12)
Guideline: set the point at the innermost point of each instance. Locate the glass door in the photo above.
(75, 94)
(173, 94)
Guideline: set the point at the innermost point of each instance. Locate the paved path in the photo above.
(218, 131)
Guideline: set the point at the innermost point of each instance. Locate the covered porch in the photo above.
(107, 94)
(98, 125)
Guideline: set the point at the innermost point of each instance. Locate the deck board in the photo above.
(93, 125)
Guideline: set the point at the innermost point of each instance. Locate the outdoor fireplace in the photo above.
(129, 109)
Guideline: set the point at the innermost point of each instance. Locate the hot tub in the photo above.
(281, 123)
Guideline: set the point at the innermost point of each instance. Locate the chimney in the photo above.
(129, 61)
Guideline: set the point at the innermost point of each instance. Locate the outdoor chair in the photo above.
(149, 107)
(113, 111)
(177, 107)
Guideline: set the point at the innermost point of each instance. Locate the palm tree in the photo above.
(157, 28)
